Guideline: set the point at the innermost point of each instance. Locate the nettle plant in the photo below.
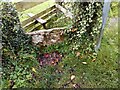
(86, 24)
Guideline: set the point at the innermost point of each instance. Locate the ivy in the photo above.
(86, 24)
(13, 36)
(18, 53)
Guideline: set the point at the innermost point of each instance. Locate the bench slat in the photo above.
(36, 16)
(38, 19)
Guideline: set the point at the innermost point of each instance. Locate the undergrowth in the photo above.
(90, 70)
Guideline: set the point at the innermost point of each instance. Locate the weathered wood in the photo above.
(66, 12)
(36, 16)
(42, 21)
(48, 19)
(46, 15)
(30, 24)
(34, 28)
(26, 4)
(33, 24)
(43, 17)
(45, 30)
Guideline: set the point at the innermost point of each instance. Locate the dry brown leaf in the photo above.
(94, 60)
(78, 54)
(73, 30)
(72, 77)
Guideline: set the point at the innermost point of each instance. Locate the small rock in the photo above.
(52, 40)
(37, 38)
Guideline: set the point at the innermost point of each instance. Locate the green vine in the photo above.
(86, 25)
(18, 53)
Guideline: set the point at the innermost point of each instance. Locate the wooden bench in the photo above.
(41, 21)
(66, 12)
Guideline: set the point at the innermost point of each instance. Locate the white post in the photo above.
(106, 8)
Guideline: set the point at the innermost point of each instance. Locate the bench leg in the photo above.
(44, 26)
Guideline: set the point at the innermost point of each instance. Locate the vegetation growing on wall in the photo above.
(86, 25)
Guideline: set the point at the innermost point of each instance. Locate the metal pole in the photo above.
(106, 9)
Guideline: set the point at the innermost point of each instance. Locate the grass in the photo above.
(114, 9)
(101, 73)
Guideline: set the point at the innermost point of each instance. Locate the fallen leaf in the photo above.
(56, 60)
(72, 77)
(33, 69)
(76, 85)
(81, 57)
(93, 60)
(52, 62)
(84, 62)
(52, 58)
(78, 54)
(73, 30)
(46, 55)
